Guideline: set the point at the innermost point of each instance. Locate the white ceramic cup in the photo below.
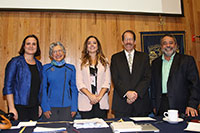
(171, 115)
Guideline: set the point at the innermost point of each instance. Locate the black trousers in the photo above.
(121, 114)
(96, 112)
(26, 113)
(131, 112)
(59, 114)
(164, 105)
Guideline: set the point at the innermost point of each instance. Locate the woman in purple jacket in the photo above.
(22, 81)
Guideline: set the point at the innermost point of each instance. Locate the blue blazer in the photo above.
(59, 87)
(18, 79)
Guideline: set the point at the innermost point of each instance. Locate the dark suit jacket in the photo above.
(182, 85)
(138, 81)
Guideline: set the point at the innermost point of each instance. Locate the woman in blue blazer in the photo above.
(60, 95)
(23, 75)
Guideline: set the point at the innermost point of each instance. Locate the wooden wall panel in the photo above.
(72, 29)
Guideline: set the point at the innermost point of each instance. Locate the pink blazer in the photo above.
(83, 81)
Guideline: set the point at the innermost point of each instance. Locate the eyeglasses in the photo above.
(57, 51)
(128, 39)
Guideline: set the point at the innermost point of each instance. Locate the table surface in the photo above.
(163, 126)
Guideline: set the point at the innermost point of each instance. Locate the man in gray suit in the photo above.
(131, 74)
(175, 80)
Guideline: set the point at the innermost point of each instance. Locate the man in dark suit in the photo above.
(175, 80)
(131, 75)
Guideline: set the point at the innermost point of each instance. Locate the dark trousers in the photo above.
(121, 114)
(26, 113)
(96, 112)
(164, 105)
(59, 114)
(131, 112)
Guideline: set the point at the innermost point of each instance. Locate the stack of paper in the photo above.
(46, 129)
(142, 119)
(25, 124)
(193, 126)
(90, 123)
(127, 126)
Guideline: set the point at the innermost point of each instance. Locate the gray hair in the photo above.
(169, 35)
(52, 45)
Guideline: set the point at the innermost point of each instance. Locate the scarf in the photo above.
(56, 63)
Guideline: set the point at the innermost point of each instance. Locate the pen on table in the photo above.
(75, 130)
(21, 131)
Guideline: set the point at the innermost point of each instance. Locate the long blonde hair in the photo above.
(85, 57)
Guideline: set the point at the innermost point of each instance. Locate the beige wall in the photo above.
(73, 28)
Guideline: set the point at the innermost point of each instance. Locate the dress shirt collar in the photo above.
(132, 53)
(171, 58)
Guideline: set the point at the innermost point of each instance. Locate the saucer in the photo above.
(173, 122)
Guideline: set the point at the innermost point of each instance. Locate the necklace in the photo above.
(30, 61)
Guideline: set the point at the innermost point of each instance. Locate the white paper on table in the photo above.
(90, 123)
(27, 124)
(127, 126)
(46, 129)
(15, 127)
(142, 119)
(193, 126)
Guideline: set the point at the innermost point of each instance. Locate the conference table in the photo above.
(163, 126)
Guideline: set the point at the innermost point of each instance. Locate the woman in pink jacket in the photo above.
(93, 80)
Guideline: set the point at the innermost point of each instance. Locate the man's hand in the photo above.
(154, 110)
(129, 101)
(191, 111)
(131, 96)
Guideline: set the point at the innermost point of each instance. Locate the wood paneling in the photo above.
(72, 29)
